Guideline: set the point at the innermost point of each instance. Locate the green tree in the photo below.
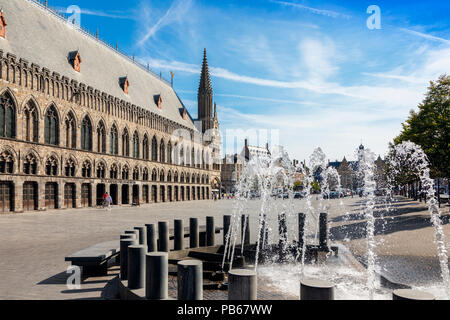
(430, 127)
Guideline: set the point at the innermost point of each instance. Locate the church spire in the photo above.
(205, 81)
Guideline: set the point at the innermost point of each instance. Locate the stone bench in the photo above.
(94, 260)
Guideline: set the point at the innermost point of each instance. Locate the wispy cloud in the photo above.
(327, 13)
(426, 36)
(174, 14)
(105, 14)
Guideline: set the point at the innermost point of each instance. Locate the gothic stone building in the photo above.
(78, 118)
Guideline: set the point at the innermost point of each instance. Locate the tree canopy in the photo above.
(430, 126)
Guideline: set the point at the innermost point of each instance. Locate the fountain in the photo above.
(281, 256)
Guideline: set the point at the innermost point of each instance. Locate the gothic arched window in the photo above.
(114, 172)
(125, 143)
(145, 175)
(169, 153)
(125, 173)
(86, 134)
(30, 164)
(175, 177)
(154, 175)
(71, 131)
(31, 122)
(70, 168)
(101, 138)
(145, 148)
(162, 176)
(114, 140)
(7, 116)
(169, 176)
(51, 166)
(101, 169)
(136, 145)
(86, 169)
(52, 126)
(162, 152)
(154, 149)
(6, 162)
(136, 174)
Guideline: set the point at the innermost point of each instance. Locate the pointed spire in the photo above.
(205, 81)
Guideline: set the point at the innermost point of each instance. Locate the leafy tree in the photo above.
(430, 127)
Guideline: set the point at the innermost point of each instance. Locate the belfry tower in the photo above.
(206, 114)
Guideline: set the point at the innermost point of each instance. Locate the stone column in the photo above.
(163, 236)
(152, 244)
(210, 232)
(78, 195)
(119, 192)
(124, 244)
(41, 195)
(179, 235)
(157, 276)
(242, 284)
(226, 227)
(61, 195)
(190, 280)
(407, 294)
(142, 233)
(193, 233)
(136, 266)
(18, 195)
(312, 289)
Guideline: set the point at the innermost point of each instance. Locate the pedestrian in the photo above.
(105, 196)
(108, 202)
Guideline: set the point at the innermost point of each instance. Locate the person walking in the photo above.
(108, 202)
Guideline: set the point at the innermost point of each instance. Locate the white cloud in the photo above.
(327, 13)
(426, 36)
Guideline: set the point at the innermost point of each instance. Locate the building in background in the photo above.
(232, 168)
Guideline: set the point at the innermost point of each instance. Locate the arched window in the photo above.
(86, 169)
(145, 148)
(114, 141)
(162, 152)
(154, 175)
(125, 143)
(145, 175)
(86, 134)
(70, 168)
(175, 177)
(71, 131)
(188, 178)
(162, 177)
(136, 174)
(125, 173)
(31, 122)
(101, 169)
(101, 138)
(7, 116)
(182, 177)
(169, 153)
(169, 176)
(192, 163)
(198, 179)
(6, 162)
(154, 149)
(51, 166)
(136, 145)
(114, 172)
(52, 126)
(30, 164)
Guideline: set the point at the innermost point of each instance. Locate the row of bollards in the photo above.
(144, 261)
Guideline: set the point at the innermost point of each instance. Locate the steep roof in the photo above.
(41, 37)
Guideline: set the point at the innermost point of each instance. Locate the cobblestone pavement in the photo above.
(33, 245)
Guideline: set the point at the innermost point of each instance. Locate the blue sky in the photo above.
(310, 69)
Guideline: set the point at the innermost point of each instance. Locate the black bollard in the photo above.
(193, 233)
(301, 230)
(245, 233)
(163, 236)
(179, 235)
(226, 227)
(142, 234)
(128, 236)
(210, 232)
(282, 230)
(407, 294)
(157, 275)
(323, 231)
(190, 280)
(242, 284)
(152, 244)
(311, 289)
(136, 266)
(124, 244)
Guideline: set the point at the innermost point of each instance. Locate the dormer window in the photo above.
(125, 84)
(158, 101)
(3, 25)
(75, 60)
(184, 113)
